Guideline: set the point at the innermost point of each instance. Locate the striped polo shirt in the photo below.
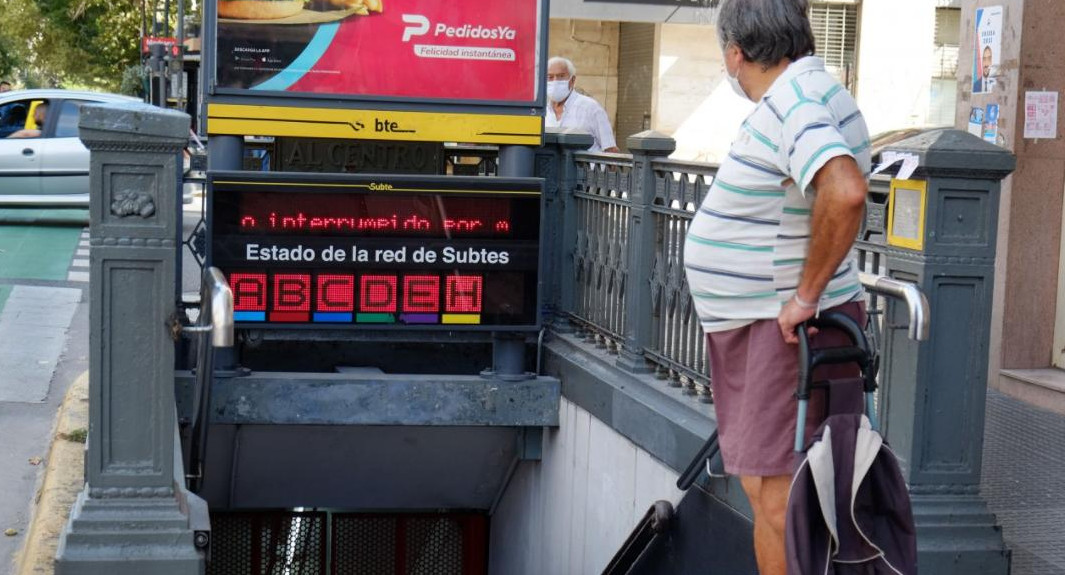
(746, 246)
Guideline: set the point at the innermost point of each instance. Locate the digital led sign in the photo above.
(377, 251)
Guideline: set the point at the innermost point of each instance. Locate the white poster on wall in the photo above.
(1041, 115)
(987, 48)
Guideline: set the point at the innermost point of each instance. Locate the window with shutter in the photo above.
(948, 31)
(941, 110)
(835, 27)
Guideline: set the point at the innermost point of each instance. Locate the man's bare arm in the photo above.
(27, 133)
(837, 216)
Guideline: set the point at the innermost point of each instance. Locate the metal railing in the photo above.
(678, 345)
(871, 255)
(604, 196)
(604, 193)
(599, 257)
(605, 283)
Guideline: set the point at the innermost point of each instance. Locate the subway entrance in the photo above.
(313, 542)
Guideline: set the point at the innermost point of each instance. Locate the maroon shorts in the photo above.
(754, 375)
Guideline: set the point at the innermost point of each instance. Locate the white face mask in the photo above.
(734, 82)
(558, 90)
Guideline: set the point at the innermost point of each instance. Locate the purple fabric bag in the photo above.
(849, 509)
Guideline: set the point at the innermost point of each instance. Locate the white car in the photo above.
(53, 168)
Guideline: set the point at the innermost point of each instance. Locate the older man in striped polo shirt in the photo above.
(771, 242)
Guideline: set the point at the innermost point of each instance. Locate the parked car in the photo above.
(51, 169)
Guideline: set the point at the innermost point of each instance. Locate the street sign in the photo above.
(377, 252)
(148, 41)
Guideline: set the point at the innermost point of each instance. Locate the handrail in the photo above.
(916, 302)
(216, 301)
(605, 158)
(219, 299)
(692, 167)
(702, 460)
(217, 291)
(654, 522)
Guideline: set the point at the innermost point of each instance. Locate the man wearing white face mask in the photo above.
(771, 245)
(568, 109)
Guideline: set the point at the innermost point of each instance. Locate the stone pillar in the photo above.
(646, 147)
(132, 517)
(934, 392)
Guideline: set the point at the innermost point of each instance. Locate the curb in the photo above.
(44, 217)
(64, 478)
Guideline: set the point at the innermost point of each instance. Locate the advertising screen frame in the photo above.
(215, 94)
(277, 182)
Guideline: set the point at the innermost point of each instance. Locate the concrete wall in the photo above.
(896, 42)
(1036, 202)
(570, 512)
(592, 45)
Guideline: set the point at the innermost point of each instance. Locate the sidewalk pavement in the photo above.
(64, 478)
(43, 348)
(1024, 482)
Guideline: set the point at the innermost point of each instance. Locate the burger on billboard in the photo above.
(278, 9)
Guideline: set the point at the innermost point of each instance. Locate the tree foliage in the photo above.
(85, 43)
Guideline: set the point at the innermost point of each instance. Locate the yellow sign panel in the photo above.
(906, 213)
(282, 121)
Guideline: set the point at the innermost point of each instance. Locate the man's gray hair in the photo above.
(767, 31)
(565, 61)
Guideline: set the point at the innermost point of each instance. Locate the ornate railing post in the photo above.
(132, 517)
(561, 177)
(645, 147)
(941, 235)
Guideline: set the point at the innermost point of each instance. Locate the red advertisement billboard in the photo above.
(473, 51)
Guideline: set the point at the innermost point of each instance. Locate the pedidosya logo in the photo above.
(419, 25)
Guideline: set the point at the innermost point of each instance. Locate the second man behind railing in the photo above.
(567, 108)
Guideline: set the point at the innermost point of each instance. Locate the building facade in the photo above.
(1028, 321)
(662, 70)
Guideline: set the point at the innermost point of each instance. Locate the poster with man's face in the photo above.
(987, 48)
